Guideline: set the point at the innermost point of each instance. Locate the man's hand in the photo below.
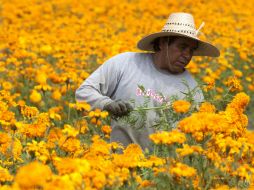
(118, 108)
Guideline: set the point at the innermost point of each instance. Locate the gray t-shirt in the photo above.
(120, 77)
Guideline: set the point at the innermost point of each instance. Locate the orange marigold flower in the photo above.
(182, 170)
(41, 78)
(34, 174)
(181, 106)
(70, 165)
(234, 84)
(5, 175)
(240, 101)
(70, 131)
(210, 82)
(238, 73)
(56, 95)
(80, 106)
(207, 107)
(165, 137)
(35, 96)
(70, 144)
(106, 129)
(29, 111)
(186, 150)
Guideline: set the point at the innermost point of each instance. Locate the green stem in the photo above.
(152, 108)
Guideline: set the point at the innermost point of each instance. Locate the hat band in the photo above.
(180, 24)
(185, 32)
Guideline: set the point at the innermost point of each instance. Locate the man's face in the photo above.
(178, 54)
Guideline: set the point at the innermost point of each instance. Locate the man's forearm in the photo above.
(92, 96)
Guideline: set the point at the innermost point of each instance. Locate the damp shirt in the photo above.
(120, 77)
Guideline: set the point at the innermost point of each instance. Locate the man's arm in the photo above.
(97, 89)
(101, 85)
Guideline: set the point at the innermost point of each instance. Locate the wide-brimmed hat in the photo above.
(180, 24)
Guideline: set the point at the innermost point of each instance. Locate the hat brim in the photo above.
(204, 48)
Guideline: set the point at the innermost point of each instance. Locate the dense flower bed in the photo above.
(48, 141)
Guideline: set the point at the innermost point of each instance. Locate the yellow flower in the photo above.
(238, 73)
(155, 161)
(5, 175)
(168, 138)
(244, 172)
(207, 107)
(234, 84)
(99, 146)
(7, 85)
(35, 96)
(186, 150)
(71, 165)
(39, 150)
(69, 144)
(46, 49)
(53, 112)
(222, 187)
(104, 114)
(29, 111)
(70, 131)
(182, 170)
(10, 147)
(146, 183)
(43, 87)
(106, 129)
(41, 78)
(80, 106)
(60, 182)
(181, 106)
(239, 102)
(210, 82)
(56, 95)
(34, 174)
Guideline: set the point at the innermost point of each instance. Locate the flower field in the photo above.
(49, 141)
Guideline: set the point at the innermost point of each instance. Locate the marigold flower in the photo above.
(34, 174)
(207, 107)
(181, 106)
(60, 182)
(35, 96)
(168, 138)
(210, 82)
(244, 172)
(132, 157)
(238, 73)
(7, 85)
(106, 129)
(182, 170)
(69, 144)
(10, 147)
(70, 131)
(56, 95)
(43, 87)
(240, 101)
(41, 78)
(29, 111)
(156, 161)
(39, 150)
(99, 146)
(80, 106)
(186, 150)
(5, 175)
(46, 49)
(234, 84)
(71, 165)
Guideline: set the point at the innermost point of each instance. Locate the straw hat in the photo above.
(180, 24)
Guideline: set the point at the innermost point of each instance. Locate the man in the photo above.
(117, 81)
